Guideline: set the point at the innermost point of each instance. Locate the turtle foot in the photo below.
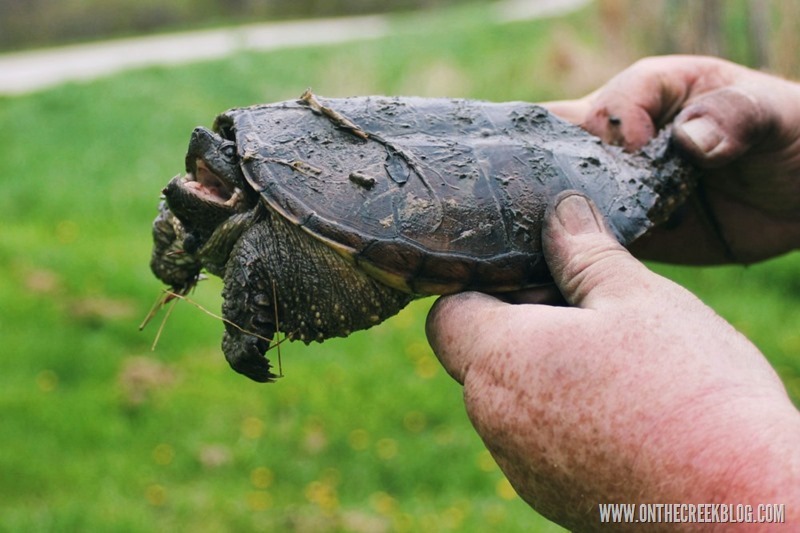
(245, 354)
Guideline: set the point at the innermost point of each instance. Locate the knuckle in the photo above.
(611, 269)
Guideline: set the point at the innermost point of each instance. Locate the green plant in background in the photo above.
(363, 434)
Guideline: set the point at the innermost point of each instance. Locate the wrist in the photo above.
(739, 451)
(767, 467)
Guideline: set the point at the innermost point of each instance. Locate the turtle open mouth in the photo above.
(202, 200)
(209, 186)
(213, 179)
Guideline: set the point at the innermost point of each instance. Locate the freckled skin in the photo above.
(636, 393)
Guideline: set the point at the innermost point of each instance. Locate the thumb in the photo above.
(590, 267)
(722, 125)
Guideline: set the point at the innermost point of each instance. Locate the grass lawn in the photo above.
(365, 434)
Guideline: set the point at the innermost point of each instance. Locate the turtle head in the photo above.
(215, 164)
(202, 213)
(212, 190)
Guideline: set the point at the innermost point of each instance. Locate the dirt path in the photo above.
(30, 71)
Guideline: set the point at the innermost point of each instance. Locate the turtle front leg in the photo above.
(318, 294)
(247, 308)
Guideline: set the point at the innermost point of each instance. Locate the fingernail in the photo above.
(703, 132)
(576, 215)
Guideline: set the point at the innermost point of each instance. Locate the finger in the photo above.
(456, 326)
(630, 108)
(713, 134)
(574, 111)
(626, 125)
(587, 263)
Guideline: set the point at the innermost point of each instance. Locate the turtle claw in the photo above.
(245, 354)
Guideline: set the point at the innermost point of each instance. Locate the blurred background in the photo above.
(760, 33)
(366, 434)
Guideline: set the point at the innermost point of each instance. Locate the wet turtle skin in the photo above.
(326, 216)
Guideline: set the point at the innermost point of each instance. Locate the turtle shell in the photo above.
(434, 196)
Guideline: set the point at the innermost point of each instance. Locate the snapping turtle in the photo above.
(326, 216)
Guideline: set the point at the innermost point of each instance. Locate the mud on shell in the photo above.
(350, 208)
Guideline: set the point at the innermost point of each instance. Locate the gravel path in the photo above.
(24, 72)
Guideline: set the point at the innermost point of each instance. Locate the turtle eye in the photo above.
(228, 150)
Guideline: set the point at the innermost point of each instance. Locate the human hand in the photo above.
(637, 393)
(741, 125)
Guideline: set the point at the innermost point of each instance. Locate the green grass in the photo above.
(368, 433)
